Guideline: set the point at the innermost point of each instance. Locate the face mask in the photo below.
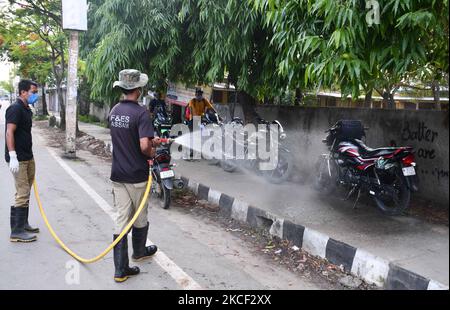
(33, 99)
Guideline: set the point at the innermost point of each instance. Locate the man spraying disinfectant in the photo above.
(133, 145)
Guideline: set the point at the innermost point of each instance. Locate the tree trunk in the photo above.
(233, 104)
(368, 99)
(44, 102)
(248, 106)
(78, 132)
(388, 97)
(62, 105)
(391, 102)
(298, 96)
(436, 95)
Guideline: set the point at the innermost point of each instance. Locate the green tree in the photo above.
(190, 41)
(34, 39)
(32, 57)
(128, 35)
(331, 43)
(266, 47)
(8, 87)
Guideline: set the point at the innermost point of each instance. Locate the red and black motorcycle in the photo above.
(164, 180)
(387, 174)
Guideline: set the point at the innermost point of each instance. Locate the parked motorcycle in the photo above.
(163, 175)
(210, 118)
(285, 162)
(387, 174)
(162, 123)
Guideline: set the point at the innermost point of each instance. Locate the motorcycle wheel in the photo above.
(228, 165)
(163, 194)
(213, 162)
(323, 183)
(395, 197)
(283, 170)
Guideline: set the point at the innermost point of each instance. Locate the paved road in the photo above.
(193, 252)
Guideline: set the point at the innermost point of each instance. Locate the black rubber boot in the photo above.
(121, 262)
(18, 233)
(140, 251)
(27, 225)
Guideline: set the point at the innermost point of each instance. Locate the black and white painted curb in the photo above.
(371, 268)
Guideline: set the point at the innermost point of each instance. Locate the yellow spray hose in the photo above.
(112, 245)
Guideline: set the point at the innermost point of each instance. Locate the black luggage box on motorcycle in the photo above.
(349, 129)
(345, 130)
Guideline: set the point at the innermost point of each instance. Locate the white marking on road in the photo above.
(91, 192)
(182, 278)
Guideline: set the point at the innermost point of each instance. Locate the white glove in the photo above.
(13, 162)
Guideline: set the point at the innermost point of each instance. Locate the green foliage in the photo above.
(191, 41)
(7, 86)
(268, 47)
(130, 36)
(40, 117)
(330, 42)
(88, 119)
(91, 119)
(33, 38)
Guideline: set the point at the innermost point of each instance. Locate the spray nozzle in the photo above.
(167, 141)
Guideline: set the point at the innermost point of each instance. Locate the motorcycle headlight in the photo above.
(384, 164)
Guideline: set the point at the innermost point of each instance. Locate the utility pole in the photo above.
(74, 20)
(72, 92)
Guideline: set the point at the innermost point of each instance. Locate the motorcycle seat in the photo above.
(367, 152)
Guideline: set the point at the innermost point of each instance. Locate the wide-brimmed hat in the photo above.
(131, 79)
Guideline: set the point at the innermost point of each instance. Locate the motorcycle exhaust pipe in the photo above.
(178, 184)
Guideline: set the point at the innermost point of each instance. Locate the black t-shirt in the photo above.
(129, 122)
(156, 104)
(21, 116)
